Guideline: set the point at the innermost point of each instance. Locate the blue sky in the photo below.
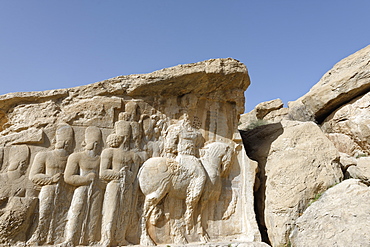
(286, 45)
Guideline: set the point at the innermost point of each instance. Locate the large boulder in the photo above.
(296, 161)
(349, 126)
(340, 217)
(347, 80)
(266, 112)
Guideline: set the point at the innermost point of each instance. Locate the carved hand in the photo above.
(122, 172)
(91, 176)
(114, 176)
(42, 181)
(56, 177)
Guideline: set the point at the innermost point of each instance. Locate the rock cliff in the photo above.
(139, 159)
(309, 155)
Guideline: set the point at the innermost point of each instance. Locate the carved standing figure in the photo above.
(132, 109)
(47, 171)
(17, 184)
(152, 131)
(123, 129)
(82, 171)
(181, 175)
(17, 201)
(119, 169)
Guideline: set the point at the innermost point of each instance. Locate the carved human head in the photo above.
(124, 116)
(19, 158)
(185, 121)
(93, 137)
(114, 140)
(133, 109)
(64, 138)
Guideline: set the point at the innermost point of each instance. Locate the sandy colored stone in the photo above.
(351, 123)
(340, 217)
(85, 152)
(277, 115)
(347, 161)
(296, 161)
(347, 80)
(266, 112)
(246, 119)
(262, 109)
(360, 170)
(15, 219)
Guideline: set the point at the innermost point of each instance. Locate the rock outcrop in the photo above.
(158, 159)
(296, 161)
(139, 159)
(340, 217)
(349, 126)
(347, 80)
(304, 149)
(266, 112)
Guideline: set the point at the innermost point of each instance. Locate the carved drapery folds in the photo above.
(117, 163)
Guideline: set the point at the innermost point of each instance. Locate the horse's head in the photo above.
(223, 152)
(227, 159)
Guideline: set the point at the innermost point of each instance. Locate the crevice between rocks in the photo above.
(257, 143)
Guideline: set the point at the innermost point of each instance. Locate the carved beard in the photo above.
(90, 146)
(59, 145)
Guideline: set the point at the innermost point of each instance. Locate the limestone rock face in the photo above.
(349, 126)
(139, 159)
(264, 108)
(340, 217)
(347, 80)
(266, 112)
(296, 161)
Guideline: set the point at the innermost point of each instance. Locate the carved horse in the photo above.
(160, 176)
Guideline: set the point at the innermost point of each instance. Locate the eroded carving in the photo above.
(90, 199)
(182, 175)
(17, 183)
(82, 171)
(118, 168)
(16, 199)
(47, 172)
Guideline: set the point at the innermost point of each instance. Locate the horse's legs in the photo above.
(176, 223)
(151, 201)
(194, 192)
(149, 205)
(201, 231)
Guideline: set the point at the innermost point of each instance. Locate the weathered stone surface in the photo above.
(149, 159)
(15, 218)
(219, 79)
(340, 217)
(277, 115)
(266, 112)
(28, 136)
(246, 119)
(264, 108)
(347, 80)
(225, 244)
(349, 125)
(361, 170)
(347, 161)
(296, 161)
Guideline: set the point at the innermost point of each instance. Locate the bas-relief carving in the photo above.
(187, 158)
(16, 198)
(82, 171)
(118, 168)
(47, 172)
